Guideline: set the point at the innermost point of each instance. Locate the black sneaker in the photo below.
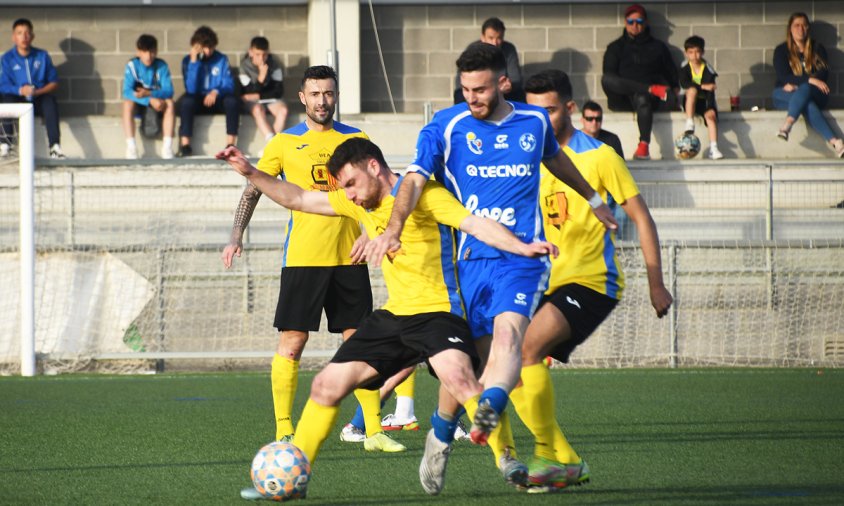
(185, 151)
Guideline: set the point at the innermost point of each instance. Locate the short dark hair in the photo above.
(481, 56)
(147, 42)
(355, 151)
(260, 43)
(694, 41)
(550, 80)
(205, 37)
(23, 21)
(319, 72)
(494, 23)
(590, 105)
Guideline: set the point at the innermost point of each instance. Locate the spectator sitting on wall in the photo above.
(148, 92)
(638, 73)
(802, 71)
(27, 74)
(592, 122)
(209, 88)
(697, 77)
(262, 87)
(492, 32)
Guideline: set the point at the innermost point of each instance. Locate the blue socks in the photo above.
(357, 420)
(444, 426)
(496, 397)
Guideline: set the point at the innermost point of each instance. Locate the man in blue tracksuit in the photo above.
(209, 88)
(27, 74)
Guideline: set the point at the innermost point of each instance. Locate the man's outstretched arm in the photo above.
(498, 236)
(286, 194)
(406, 199)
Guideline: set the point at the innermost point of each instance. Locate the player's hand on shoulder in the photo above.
(231, 250)
(377, 248)
(661, 300)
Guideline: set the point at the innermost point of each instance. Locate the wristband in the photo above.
(595, 201)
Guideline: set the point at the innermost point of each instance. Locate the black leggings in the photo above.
(626, 95)
(190, 105)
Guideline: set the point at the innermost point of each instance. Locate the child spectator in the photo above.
(209, 88)
(262, 87)
(27, 74)
(697, 77)
(148, 92)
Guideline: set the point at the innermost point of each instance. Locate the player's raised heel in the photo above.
(486, 419)
(381, 442)
(433, 465)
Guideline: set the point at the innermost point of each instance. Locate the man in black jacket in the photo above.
(262, 87)
(638, 73)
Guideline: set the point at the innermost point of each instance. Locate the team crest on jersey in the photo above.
(527, 142)
(215, 71)
(36, 64)
(323, 180)
(475, 144)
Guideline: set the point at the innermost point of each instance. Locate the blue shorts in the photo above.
(491, 286)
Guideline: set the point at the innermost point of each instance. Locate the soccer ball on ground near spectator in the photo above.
(280, 472)
(687, 146)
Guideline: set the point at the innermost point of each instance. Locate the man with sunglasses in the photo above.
(638, 74)
(592, 121)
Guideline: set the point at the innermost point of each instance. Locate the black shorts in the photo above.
(584, 310)
(343, 292)
(705, 101)
(389, 343)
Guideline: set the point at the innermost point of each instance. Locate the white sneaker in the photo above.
(56, 152)
(4, 150)
(131, 152)
(352, 434)
(461, 434)
(434, 461)
(167, 152)
(392, 422)
(690, 125)
(714, 153)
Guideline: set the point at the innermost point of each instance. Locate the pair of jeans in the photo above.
(46, 106)
(190, 105)
(809, 101)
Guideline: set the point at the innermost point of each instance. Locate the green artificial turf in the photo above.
(700, 436)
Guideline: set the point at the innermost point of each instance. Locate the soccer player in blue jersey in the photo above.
(488, 152)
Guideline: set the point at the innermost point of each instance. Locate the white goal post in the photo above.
(25, 116)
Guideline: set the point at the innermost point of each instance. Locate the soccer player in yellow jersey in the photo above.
(317, 271)
(586, 279)
(423, 318)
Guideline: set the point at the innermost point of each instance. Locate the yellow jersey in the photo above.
(587, 248)
(421, 277)
(300, 155)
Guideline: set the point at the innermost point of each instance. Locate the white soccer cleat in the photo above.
(352, 434)
(461, 434)
(392, 422)
(514, 472)
(434, 461)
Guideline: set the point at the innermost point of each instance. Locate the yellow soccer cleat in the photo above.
(381, 442)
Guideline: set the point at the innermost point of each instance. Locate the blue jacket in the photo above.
(212, 73)
(36, 69)
(155, 78)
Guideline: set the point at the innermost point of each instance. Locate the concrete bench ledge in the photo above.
(742, 135)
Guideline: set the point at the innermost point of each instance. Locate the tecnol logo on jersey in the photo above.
(506, 216)
(504, 170)
(475, 144)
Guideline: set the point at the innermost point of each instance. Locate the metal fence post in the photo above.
(672, 314)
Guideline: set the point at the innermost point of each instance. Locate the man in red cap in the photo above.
(638, 74)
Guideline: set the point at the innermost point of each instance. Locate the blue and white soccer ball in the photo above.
(280, 472)
(687, 146)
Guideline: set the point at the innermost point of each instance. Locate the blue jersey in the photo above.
(212, 73)
(36, 69)
(491, 167)
(155, 78)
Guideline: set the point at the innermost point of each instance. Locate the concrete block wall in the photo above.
(90, 47)
(421, 43)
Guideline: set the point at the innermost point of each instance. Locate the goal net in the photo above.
(128, 275)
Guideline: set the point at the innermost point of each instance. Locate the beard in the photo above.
(313, 115)
(488, 109)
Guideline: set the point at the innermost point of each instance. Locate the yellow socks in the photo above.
(535, 404)
(284, 376)
(370, 403)
(314, 426)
